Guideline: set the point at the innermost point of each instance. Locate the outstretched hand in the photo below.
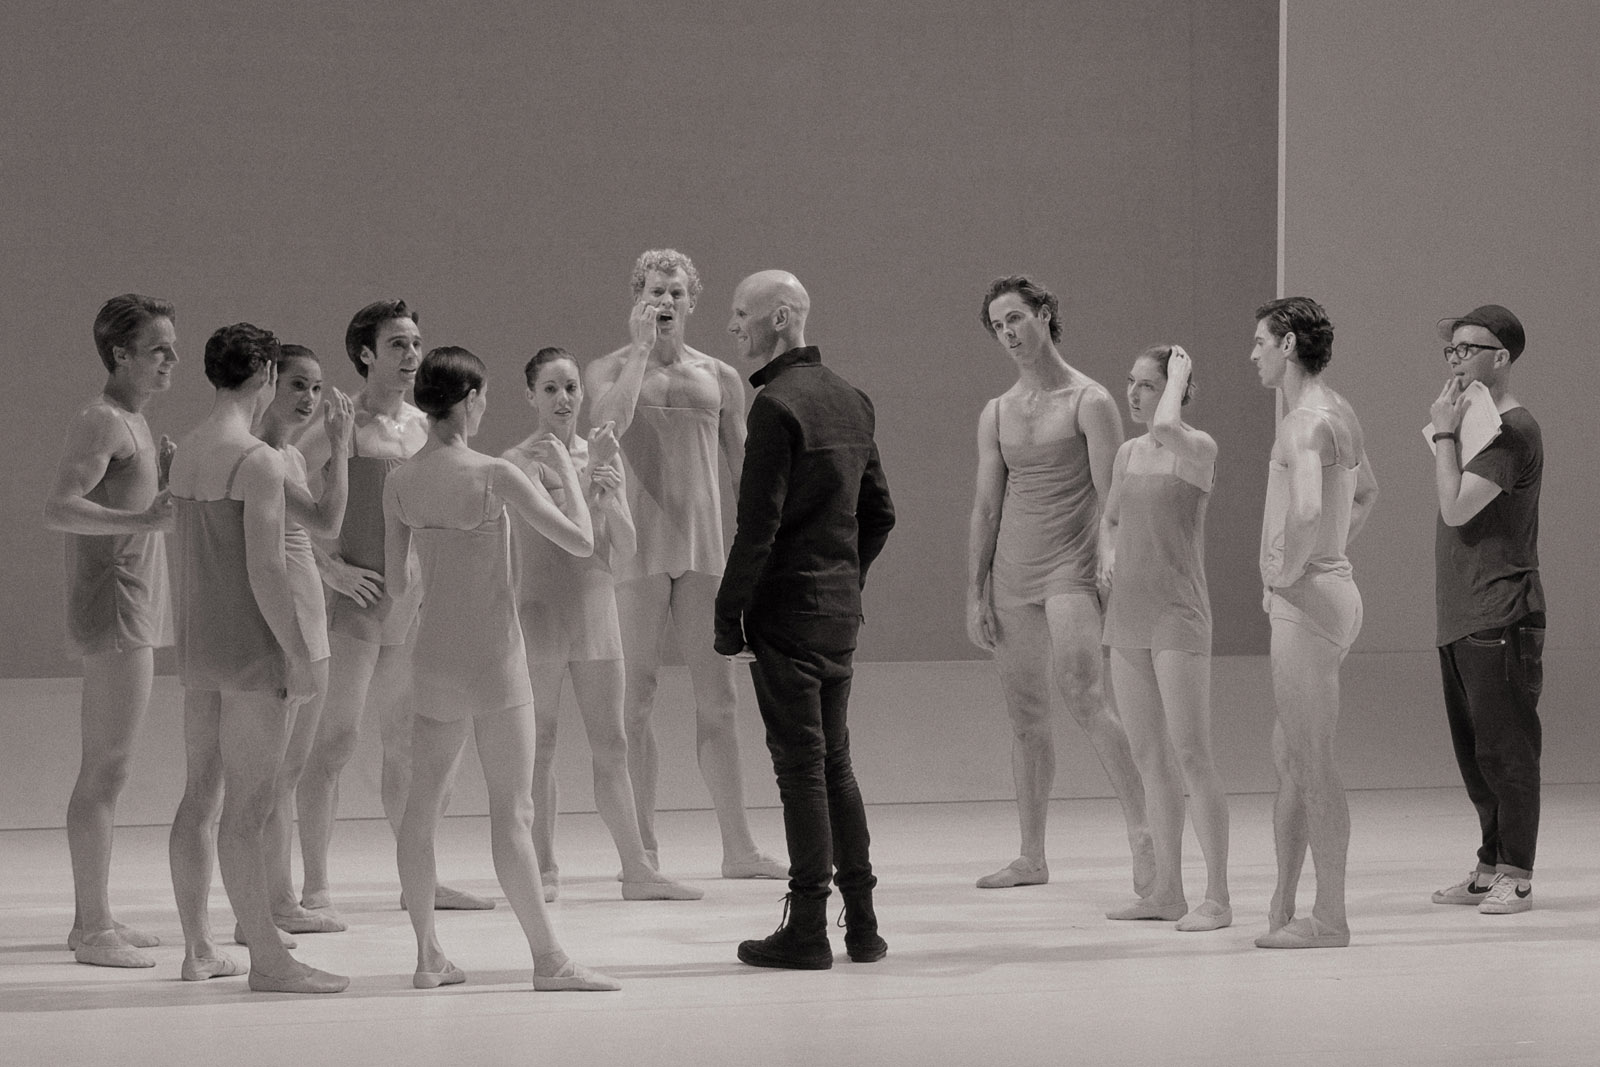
(339, 419)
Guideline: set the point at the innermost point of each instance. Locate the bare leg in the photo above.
(192, 842)
(642, 610)
(1022, 657)
(389, 697)
(1076, 661)
(253, 736)
(1134, 674)
(1305, 683)
(547, 679)
(287, 912)
(116, 694)
(1289, 834)
(317, 797)
(1185, 682)
(716, 726)
(436, 749)
(598, 686)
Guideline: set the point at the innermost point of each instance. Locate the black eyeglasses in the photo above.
(1457, 353)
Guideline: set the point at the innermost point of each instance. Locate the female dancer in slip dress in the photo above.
(1158, 627)
(568, 609)
(470, 672)
(243, 658)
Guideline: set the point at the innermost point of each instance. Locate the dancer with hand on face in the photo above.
(470, 671)
(568, 609)
(297, 400)
(108, 499)
(1158, 627)
(1045, 452)
(244, 657)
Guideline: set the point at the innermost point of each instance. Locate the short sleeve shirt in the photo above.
(1487, 569)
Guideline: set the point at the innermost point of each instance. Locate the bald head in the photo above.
(769, 314)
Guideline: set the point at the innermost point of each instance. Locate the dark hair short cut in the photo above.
(235, 353)
(445, 378)
(665, 260)
(288, 352)
(545, 355)
(363, 329)
(1162, 354)
(1032, 293)
(122, 317)
(1305, 318)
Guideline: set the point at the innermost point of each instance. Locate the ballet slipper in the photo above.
(446, 898)
(306, 921)
(451, 975)
(756, 865)
(199, 968)
(1145, 908)
(283, 937)
(307, 980)
(1304, 933)
(1208, 916)
(574, 978)
(660, 888)
(106, 949)
(1020, 871)
(128, 935)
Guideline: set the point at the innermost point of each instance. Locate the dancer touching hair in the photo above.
(470, 672)
(1158, 627)
(245, 660)
(568, 610)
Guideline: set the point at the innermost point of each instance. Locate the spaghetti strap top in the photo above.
(1333, 529)
(671, 459)
(224, 642)
(361, 543)
(1049, 522)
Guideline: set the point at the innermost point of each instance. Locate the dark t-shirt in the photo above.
(1487, 569)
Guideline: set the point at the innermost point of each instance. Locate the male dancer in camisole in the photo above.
(1320, 490)
(673, 408)
(1045, 451)
(109, 500)
(370, 645)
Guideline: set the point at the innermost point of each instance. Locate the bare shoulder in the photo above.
(100, 428)
(606, 368)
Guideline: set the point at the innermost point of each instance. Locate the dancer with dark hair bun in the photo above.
(244, 659)
(470, 671)
(568, 609)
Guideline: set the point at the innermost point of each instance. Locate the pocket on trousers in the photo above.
(1495, 638)
(1530, 657)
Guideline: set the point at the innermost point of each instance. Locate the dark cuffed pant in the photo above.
(1492, 680)
(802, 674)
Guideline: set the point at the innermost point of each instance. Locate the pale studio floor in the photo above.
(1024, 976)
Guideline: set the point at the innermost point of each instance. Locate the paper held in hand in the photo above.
(1480, 424)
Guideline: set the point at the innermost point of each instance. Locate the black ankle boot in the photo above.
(860, 924)
(800, 942)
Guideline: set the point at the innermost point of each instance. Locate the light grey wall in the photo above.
(1444, 154)
(500, 164)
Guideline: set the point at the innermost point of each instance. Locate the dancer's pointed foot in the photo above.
(283, 937)
(304, 979)
(1305, 933)
(756, 865)
(1208, 916)
(449, 975)
(569, 977)
(1145, 908)
(128, 935)
(302, 920)
(1020, 871)
(105, 949)
(199, 968)
(660, 887)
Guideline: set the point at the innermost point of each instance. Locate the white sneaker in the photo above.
(1472, 891)
(1507, 896)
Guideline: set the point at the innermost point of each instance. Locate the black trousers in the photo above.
(802, 673)
(1492, 680)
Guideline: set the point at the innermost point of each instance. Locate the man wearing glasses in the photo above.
(1491, 606)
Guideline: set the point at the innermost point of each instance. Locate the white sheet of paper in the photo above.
(1480, 424)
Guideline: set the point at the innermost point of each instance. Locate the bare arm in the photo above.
(1101, 427)
(323, 516)
(260, 481)
(614, 381)
(1196, 451)
(1462, 494)
(396, 544)
(984, 528)
(1366, 496)
(1303, 438)
(574, 533)
(1112, 515)
(731, 428)
(93, 441)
